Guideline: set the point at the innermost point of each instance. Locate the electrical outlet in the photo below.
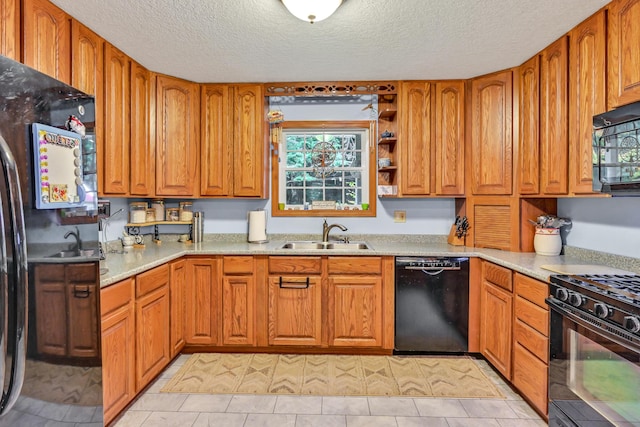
(399, 216)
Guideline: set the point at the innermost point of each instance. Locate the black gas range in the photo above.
(612, 298)
(594, 350)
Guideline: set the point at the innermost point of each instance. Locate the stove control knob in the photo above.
(601, 310)
(631, 324)
(562, 294)
(575, 299)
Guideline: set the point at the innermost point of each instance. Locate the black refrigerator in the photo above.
(50, 367)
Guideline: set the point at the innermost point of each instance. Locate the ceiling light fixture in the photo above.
(312, 10)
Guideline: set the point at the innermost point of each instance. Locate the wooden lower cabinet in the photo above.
(202, 296)
(295, 304)
(66, 302)
(238, 301)
(177, 285)
(496, 317)
(531, 341)
(118, 344)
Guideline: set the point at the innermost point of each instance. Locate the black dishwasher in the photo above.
(432, 304)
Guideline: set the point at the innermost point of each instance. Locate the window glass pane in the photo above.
(295, 179)
(294, 196)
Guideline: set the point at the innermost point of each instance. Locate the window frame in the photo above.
(370, 126)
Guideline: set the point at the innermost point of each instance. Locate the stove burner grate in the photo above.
(627, 286)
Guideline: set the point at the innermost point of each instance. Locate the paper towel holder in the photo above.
(257, 224)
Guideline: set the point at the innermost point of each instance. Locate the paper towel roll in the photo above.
(257, 226)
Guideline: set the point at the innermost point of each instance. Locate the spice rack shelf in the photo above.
(133, 228)
(387, 114)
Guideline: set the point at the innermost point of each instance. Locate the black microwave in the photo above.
(616, 151)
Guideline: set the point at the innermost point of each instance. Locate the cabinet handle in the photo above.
(289, 284)
(81, 293)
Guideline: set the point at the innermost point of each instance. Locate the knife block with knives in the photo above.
(458, 231)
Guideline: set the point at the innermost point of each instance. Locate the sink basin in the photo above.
(304, 246)
(74, 254)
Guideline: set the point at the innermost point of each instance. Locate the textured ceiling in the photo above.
(259, 41)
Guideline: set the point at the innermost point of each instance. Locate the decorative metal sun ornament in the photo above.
(323, 154)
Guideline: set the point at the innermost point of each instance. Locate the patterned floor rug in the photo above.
(63, 384)
(332, 375)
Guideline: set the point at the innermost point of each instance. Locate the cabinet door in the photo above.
(529, 116)
(142, 148)
(449, 138)
(177, 132)
(202, 296)
(87, 65)
(238, 310)
(116, 145)
(217, 143)
(530, 376)
(250, 145)
(51, 309)
(47, 39)
(623, 74)
(10, 29)
(415, 138)
(554, 136)
(491, 151)
(495, 327)
(118, 345)
(177, 287)
(355, 311)
(295, 310)
(82, 306)
(152, 335)
(587, 97)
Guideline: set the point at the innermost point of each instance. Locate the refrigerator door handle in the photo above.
(16, 340)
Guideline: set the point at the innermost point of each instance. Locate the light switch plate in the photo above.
(399, 216)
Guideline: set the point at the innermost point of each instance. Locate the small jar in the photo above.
(150, 215)
(158, 206)
(137, 212)
(186, 211)
(173, 214)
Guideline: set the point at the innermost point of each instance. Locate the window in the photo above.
(324, 168)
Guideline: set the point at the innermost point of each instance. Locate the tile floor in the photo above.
(155, 409)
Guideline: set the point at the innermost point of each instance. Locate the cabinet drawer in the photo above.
(499, 276)
(531, 339)
(298, 264)
(53, 272)
(531, 289)
(152, 279)
(532, 315)
(355, 265)
(85, 272)
(530, 377)
(237, 265)
(115, 296)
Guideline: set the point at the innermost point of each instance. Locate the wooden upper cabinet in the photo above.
(234, 146)
(142, 148)
(115, 154)
(415, 138)
(587, 97)
(87, 65)
(250, 148)
(623, 57)
(177, 133)
(528, 136)
(47, 39)
(449, 137)
(491, 150)
(554, 112)
(10, 29)
(217, 143)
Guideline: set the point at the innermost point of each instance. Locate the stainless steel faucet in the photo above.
(78, 245)
(327, 228)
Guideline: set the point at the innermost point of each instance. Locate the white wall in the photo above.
(609, 225)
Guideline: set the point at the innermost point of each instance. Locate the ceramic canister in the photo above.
(547, 241)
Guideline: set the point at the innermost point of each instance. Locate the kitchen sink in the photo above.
(74, 254)
(304, 246)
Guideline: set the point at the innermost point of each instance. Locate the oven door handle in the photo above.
(591, 322)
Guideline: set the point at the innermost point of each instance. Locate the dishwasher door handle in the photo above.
(436, 269)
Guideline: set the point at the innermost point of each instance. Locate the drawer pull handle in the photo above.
(288, 284)
(81, 293)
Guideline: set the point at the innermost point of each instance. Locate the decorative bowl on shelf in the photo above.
(384, 162)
